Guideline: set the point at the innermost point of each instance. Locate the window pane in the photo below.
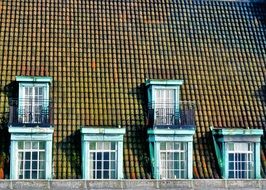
(20, 145)
(42, 145)
(27, 145)
(173, 160)
(29, 166)
(34, 155)
(241, 160)
(27, 156)
(34, 175)
(102, 160)
(92, 145)
(27, 175)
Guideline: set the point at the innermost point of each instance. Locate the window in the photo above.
(103, 160)
(173, 160)
(102, 153)
(171, 153)
(31, 159)
(238, 152)
(31, 130)
(240, 160)
(165, 108)
(33, 104)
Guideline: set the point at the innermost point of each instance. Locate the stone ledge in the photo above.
(80, 184)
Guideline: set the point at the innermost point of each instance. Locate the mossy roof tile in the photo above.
(99, 54)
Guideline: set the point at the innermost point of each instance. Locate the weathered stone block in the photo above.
(30, 184)
(68, 184)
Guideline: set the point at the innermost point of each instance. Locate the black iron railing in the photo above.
(181, 115)
(30, 112)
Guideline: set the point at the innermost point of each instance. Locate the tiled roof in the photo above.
(99, 54)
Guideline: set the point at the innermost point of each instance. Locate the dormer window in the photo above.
(165, 110)
(102, 153)
(32, 107)
(171, 130)
(31, 130)
(238, 152)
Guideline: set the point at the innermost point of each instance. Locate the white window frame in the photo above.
(165, 107)
(23, 162)
(29, 104)
(171, 167)
(238, 151)
(100, 167)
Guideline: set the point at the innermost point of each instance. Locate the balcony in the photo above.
(30, 113)
(172, 116)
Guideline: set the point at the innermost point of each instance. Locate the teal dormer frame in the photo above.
(92, 135)
(33, 81)
(221, 139)
(158, 136)
(33, 133)
(155, 84)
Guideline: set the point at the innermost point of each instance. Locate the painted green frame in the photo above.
(156, 136)
(99, 135)
(154, 84)
(30, 134)
(33, 81)
(225, 136)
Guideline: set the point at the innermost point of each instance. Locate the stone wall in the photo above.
(133, 184)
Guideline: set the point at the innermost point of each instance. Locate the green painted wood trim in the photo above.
(26, 130)
(13, 158)
(34, 79)
(163, 82)
(171, 131)
(95, 130)
(233, 132)
(190, 160)
(225, 167)
(120, 158)
(152, 159)
(102, 134)
(156, 160)
(48, 157)
(257, 161)
(85, 163)
(217, 150)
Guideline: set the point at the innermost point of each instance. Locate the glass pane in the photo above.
(106, 156)
(98, 175)
(99, 165)
(113, 145)
(107, 145)
(27, 156)
(42, 145)
(34, 174)
(112, 165)
(92, 145)
(35, 145)
(34, 165)
(42, 156)
(112, 155)
(41, 174)
(27, 174)
(34, 156)
(106, 174)
(113, 176)
(27, 144)
(42, 165)
(27, 164)
(163, 146)
(106, 165)
(20, 145)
